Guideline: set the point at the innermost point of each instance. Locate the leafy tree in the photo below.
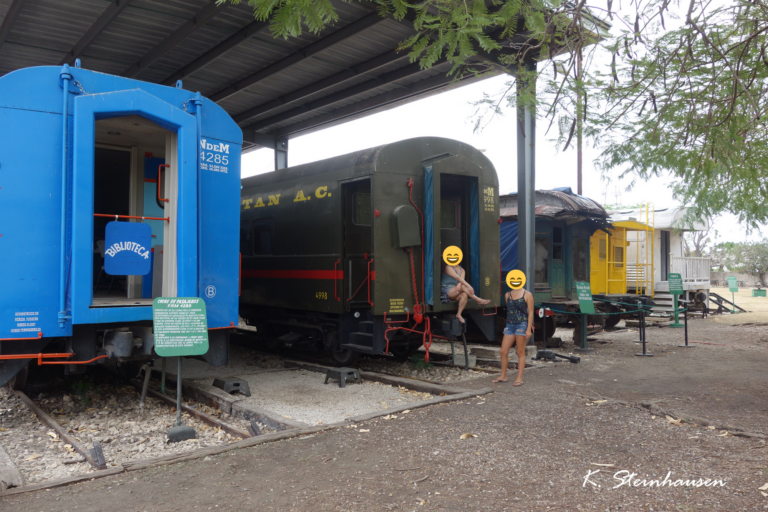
(688, 101)
(722, 256)
(751, 258)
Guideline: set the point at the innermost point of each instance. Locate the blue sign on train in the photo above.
(127, 249)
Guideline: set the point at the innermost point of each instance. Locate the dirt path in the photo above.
(536, 445)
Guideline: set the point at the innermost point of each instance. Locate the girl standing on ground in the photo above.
(519, 329)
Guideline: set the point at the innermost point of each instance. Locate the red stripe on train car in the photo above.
(295, 274)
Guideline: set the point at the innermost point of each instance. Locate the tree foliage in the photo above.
(751, 258)
(674, 89)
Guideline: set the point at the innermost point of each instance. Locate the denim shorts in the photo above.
(517, 329)
(444, 298)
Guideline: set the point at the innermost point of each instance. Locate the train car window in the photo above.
(541, 255)
(580, 259)
(361, 208)
(449, 215)
(246, 238)
(601, 250)
(618, 257)
(262, 237)
(557, 244)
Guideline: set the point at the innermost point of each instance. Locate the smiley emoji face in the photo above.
(452, 255)
(516, 279)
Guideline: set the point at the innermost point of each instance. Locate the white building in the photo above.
(660, 250)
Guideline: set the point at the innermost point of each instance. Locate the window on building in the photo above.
(262, 237)
(580, 268)
(618, 257)
(449, 215)
(557, 244)
(361, 208)
(541, 256)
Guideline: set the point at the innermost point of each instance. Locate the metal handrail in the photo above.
(166, 219)
(39, 335)
(159, 170)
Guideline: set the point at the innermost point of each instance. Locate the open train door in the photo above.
(179, 222)
(458, 205)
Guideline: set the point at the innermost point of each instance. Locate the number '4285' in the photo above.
(214, 158)
(321, 295)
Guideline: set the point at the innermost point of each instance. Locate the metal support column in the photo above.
(526, 182)
(281, 154)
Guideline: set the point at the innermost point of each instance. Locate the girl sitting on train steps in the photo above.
(453, 287)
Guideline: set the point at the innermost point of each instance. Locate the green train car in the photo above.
(343, 252)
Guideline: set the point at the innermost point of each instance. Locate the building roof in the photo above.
(275, 89)
(556, 205)
(668, 219)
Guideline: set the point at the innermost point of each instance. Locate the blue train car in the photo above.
(95, 168)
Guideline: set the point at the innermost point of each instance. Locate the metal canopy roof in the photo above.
(274, 88)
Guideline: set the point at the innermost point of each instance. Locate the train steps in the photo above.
(664, 304)
(361, 338)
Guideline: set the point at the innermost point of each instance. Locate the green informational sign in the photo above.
(675, 284)
(585, 297)
(733, 286)
(180, 325)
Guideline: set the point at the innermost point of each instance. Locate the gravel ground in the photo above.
(408, 369)
(101, 411)
(538, 447)
(302, 396)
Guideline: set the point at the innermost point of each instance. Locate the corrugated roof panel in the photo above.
(224, 25)
(46, 29)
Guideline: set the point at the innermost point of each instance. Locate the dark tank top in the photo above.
(517, 310)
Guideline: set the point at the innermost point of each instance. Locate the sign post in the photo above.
(181, 329)
(676, 289)
(586, 307)
(733, 287)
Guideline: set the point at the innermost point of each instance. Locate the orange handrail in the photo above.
(230, 326)
(39, 335)
(159, 170)
(40, 358)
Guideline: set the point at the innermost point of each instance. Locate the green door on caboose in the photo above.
(558, 263)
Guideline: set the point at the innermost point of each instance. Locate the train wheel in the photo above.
(344, 357)
(405, 348)
(19, 381)
(576, 331)
(612, 321)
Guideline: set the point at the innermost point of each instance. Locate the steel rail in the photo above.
(88, 454)
(205, 418)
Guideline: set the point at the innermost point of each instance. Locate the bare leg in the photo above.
(474, 297)
(520, 344)
(462, 299)
(506, 344)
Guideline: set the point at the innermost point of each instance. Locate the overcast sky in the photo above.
(450, 115)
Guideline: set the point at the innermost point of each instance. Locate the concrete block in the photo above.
(459, 358)
(482, 352)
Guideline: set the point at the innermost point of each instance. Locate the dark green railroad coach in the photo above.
(346, 252)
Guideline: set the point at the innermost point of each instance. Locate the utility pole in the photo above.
(579, 119)
(526, 175)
